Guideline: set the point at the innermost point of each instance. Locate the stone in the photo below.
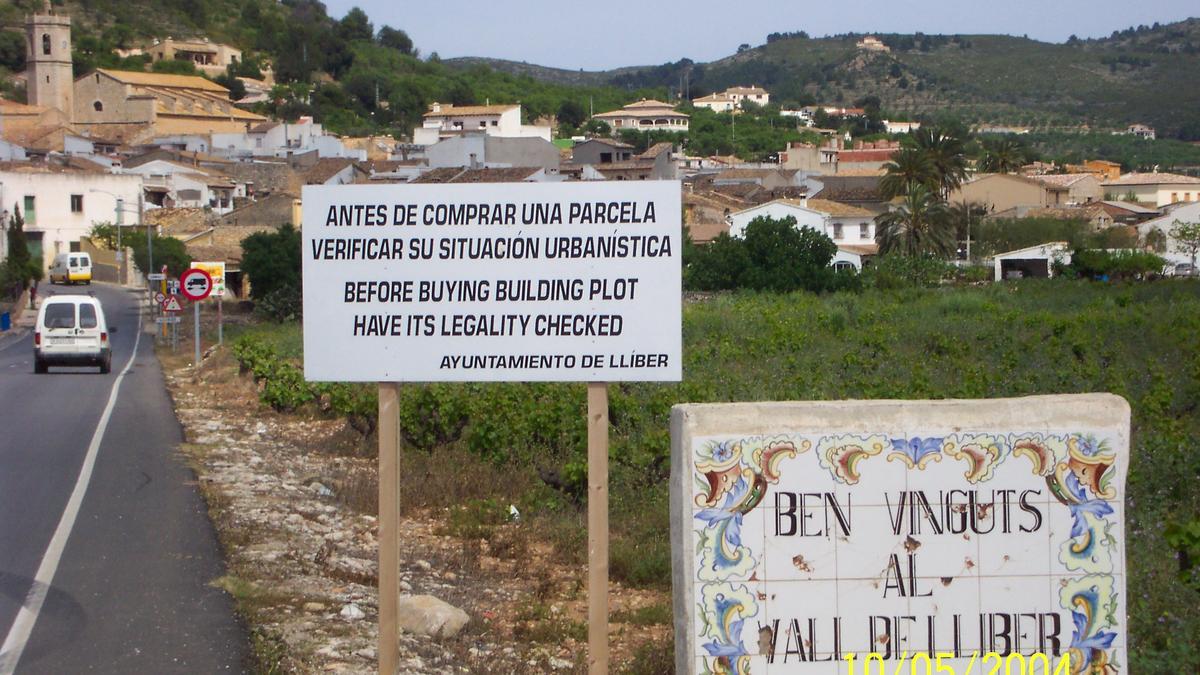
(424, 565)
(352, 612)
(314, 607)
(427, 615)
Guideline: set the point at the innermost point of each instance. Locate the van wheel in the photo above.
(106, 366)
(39, 366)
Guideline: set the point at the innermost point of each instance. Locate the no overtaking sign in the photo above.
(196, 284)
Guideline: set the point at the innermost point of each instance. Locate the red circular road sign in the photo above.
(195, 284)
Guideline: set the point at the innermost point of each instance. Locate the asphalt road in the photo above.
(131, 593)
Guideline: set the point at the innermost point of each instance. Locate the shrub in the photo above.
(772, 255)
(271, 260)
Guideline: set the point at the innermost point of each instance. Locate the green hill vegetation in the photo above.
(357, 77)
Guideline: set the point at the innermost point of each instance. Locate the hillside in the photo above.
(361, 78)
(1146, 74)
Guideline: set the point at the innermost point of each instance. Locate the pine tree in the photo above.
(19, 268)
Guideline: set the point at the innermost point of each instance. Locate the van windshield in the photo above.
(60, 315)
(87, 316)
(74, 262)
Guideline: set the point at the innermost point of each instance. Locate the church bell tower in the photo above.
(51, 82)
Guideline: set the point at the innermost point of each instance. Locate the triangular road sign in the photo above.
(171, 304)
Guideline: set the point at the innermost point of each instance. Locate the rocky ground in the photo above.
(289, 495)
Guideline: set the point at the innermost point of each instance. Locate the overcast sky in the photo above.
(601, 36)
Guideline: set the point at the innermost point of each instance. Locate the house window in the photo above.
(1174, 197)
(837, 230)
(495, 123)
(482, 124)
(30, 210)
(98, 106)
(46, 43)
(605, 157)
(864, 231)
(76, 203)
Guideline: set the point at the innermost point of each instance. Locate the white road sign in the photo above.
(493, 282)
(216, 270)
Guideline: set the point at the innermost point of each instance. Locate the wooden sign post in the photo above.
(597, 423)
(516, 282)
(389, 527)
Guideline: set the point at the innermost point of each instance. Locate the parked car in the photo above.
(1185, 270)
(69, 268)
(71, 331)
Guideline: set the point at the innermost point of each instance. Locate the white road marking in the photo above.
(27, 616)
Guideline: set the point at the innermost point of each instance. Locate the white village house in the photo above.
(178, 185)
(60, 204)
(851, 228)
(446, 121)
(1188, 213)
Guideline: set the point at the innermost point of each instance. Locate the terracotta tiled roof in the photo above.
(1131, 207)
(860, 249)
(161, 80)
(850, 156)
(13, 108)
(713, 98)
(1154, 179)
(838, 209)
(656, 150)
(746, 90)
(464, 175)
(639, 113)
(1060, 180)
(702, 233)
(462, 110)
(648, 103)
(325, 169)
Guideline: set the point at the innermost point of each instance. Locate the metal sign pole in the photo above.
(221, 320)
(597, 423)
(389, 528)
(196, 334)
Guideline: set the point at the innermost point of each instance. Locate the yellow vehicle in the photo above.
(71, 268)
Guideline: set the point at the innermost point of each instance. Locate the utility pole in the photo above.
(120, 251)
(149, 241)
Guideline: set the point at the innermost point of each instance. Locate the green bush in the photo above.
(271, 260)
(772, 255)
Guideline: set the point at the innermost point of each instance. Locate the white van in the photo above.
(69, 268)
(71, 331)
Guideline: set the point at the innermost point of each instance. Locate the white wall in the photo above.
(52, 200)
(807, 217)
(1184, 214)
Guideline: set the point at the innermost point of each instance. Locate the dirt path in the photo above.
(288, 496)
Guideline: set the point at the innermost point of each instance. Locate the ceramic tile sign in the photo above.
(959, 533)
(493, 282)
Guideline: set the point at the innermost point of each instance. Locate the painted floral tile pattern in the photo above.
(794, 524)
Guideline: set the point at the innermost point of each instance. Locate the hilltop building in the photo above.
(872, 44)
(646, 115)
(210, 58)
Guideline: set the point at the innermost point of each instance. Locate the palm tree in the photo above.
(909, 166)
(920, 225)
(1002, 155)
(946, 153)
